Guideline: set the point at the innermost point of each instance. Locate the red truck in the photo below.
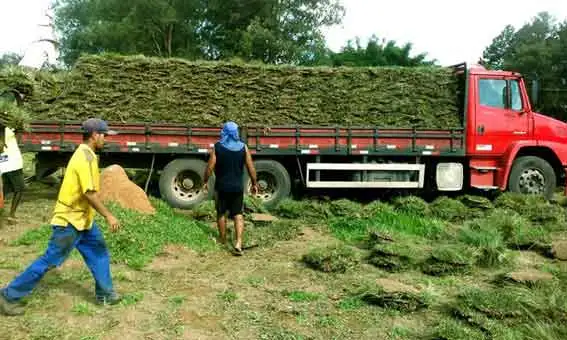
(500, 144)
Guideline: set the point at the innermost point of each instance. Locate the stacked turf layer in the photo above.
(131, 89)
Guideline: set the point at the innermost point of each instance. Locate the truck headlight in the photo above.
(449, 176)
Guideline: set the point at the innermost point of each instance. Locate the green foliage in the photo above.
(536, 49)
(301, 296)
(376, 53)
(270, 31)
(8, 59)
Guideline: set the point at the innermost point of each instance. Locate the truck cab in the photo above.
(509, 146)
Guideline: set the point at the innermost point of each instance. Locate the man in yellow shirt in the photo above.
(73, 226)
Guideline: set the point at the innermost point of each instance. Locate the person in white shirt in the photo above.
(1, 202)
(11, 167)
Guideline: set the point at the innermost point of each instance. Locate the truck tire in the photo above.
(274, 182)
(532, 175)
(181, 183)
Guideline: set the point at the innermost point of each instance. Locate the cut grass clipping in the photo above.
(141, 237)
(137, 88)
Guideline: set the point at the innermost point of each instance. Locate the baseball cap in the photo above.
(97, 125)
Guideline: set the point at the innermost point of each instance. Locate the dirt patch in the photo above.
(530, 259)
(559, 250)
(393, 286)
(174, 256)
(529, 276)
(263, 218)
(115, 186)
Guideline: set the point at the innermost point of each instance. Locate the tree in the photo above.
(496, 53)
(272, 31)
(10, 59)
(537, 50)
(377, 53)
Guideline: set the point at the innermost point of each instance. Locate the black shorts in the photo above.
(231, 202)
(13, 181)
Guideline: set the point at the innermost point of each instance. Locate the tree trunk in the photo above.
(169, 39)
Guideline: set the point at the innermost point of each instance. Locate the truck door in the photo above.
(500, 116)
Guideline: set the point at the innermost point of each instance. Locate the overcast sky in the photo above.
(448, 34)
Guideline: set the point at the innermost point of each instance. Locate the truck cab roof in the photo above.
(477, 69)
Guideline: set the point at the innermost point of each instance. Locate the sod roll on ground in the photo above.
(142, 89)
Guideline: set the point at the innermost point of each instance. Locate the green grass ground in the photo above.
(337, 271)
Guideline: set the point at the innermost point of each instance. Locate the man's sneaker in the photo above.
(10, 308)
(113, 299)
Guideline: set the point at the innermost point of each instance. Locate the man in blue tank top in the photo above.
(227, 159)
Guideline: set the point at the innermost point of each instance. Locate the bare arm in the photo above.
(210, 166)
(250, 168)
(95, 202)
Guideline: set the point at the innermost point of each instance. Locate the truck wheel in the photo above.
(274, 183)
(532, 175)
(181, 183)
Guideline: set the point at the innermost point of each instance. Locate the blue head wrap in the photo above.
(229, 137)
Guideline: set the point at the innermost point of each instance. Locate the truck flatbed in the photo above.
(262, 140)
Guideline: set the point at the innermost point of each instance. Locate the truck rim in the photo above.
(267, 187)
(187, 186)
(532, 181)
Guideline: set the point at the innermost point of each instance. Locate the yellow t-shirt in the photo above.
(82, 175)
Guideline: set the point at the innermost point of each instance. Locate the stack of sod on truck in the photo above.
(142, 89)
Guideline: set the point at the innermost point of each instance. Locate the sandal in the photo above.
(237, 252)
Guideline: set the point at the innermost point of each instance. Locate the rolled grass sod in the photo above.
(143, 89)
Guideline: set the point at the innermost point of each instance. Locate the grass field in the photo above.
(324, 270)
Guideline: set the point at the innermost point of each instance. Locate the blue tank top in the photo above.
(229, 169)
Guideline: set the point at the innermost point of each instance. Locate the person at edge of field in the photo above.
(227, 159)
(73, 226)
(11, 167)
(1, 202)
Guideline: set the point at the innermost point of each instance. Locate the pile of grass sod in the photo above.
(337, 258)
(141, 237)
(137, 88)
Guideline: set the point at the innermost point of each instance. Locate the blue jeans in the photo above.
(91, 246)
